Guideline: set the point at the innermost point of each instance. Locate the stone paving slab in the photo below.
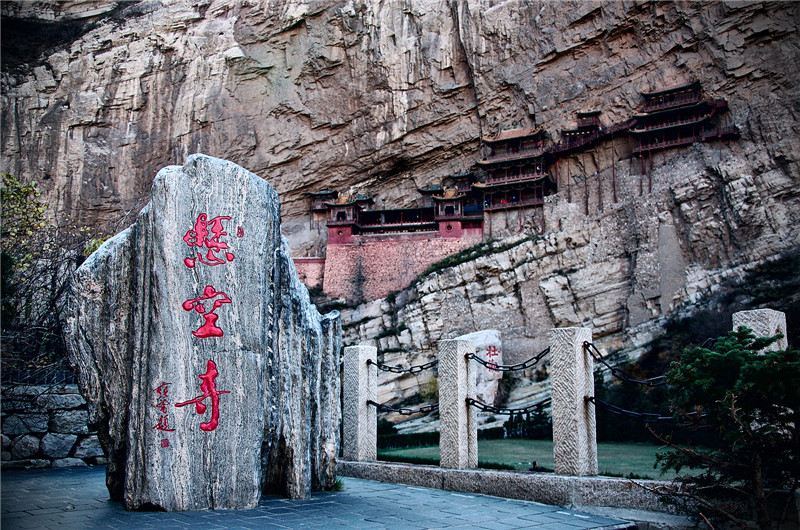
(77, 498)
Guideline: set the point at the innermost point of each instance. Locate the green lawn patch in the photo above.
(615, 459)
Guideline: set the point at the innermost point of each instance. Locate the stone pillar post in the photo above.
(359, 420)
(458, 429)
(572, 377)
(764, 323)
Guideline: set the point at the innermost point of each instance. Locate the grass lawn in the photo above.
(615, 459)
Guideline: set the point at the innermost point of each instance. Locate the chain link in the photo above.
(620, 374)
(647, 417)
(480, 405)
(398, 370)
(509, 367)
(403, 411)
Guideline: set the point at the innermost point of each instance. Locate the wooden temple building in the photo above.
(678, 116)
(518, 169)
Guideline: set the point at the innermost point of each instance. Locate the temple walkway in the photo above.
(77, 498)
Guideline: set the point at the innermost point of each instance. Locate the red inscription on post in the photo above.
(199, 237)
(209, 388)
(239, 231)
(491, 353)
(162, 400)
(209, 328)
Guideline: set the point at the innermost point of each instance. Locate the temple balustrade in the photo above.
(672, 101)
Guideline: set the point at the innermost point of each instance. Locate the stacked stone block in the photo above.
(46, 426)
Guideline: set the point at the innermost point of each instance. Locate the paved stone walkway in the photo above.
(77, 498)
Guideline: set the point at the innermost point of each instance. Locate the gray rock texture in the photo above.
(210, 375)
(58, 445)
(88, 447)
(70, 421)
(25, 446)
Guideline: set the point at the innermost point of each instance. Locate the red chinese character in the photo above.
(161, 404)
(164, 442)
(209, 388)
(209, 329)
(199, 238)
(239, 231)
(491, 353)
(163, 424)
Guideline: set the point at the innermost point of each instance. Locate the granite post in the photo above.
(572, 376)
(458, 429)
(359, 420)
(764, 323)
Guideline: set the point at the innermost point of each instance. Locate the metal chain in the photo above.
(622, 374)
(403, 411)
(398, 370)
(509, 367)
(647, 417)
(480, 405)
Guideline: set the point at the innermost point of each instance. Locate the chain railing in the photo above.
(398, 370)
(509, 367)
(403, 411)
(621, 374)
(485, 407)
(647, 417)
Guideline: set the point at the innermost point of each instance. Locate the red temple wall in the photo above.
(371, 267)
(310, 270)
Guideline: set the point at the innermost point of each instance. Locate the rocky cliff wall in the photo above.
(377, 96)
(384, 97)
(621, 270)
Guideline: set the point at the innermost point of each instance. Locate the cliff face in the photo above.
(387, 96)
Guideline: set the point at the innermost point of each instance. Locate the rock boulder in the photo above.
(210, 375)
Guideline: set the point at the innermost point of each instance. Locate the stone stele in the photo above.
(210, 375)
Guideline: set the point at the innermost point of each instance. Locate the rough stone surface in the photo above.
(359, 420)
(59, 445)
(28, 463)
(540, 487)
(142, 329)
(88, 448)
(417, 85)
(764, 323)
(56, 401)
(26, 446)
(574, 429)
(489, 347)
(25, 423)
(50, 412)
(458, 429)
(93, 120)
(70, 421)
(69, 462)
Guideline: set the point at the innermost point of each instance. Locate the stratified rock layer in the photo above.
(202, 284)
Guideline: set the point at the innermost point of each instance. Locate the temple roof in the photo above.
(349, 200)
(693, 85)
(512, 134)
(431, 188)
(324, 193)
(449, 194)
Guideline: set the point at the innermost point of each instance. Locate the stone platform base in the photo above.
(574, 492)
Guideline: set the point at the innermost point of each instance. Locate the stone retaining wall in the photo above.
(547, 488)
(47, 426)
